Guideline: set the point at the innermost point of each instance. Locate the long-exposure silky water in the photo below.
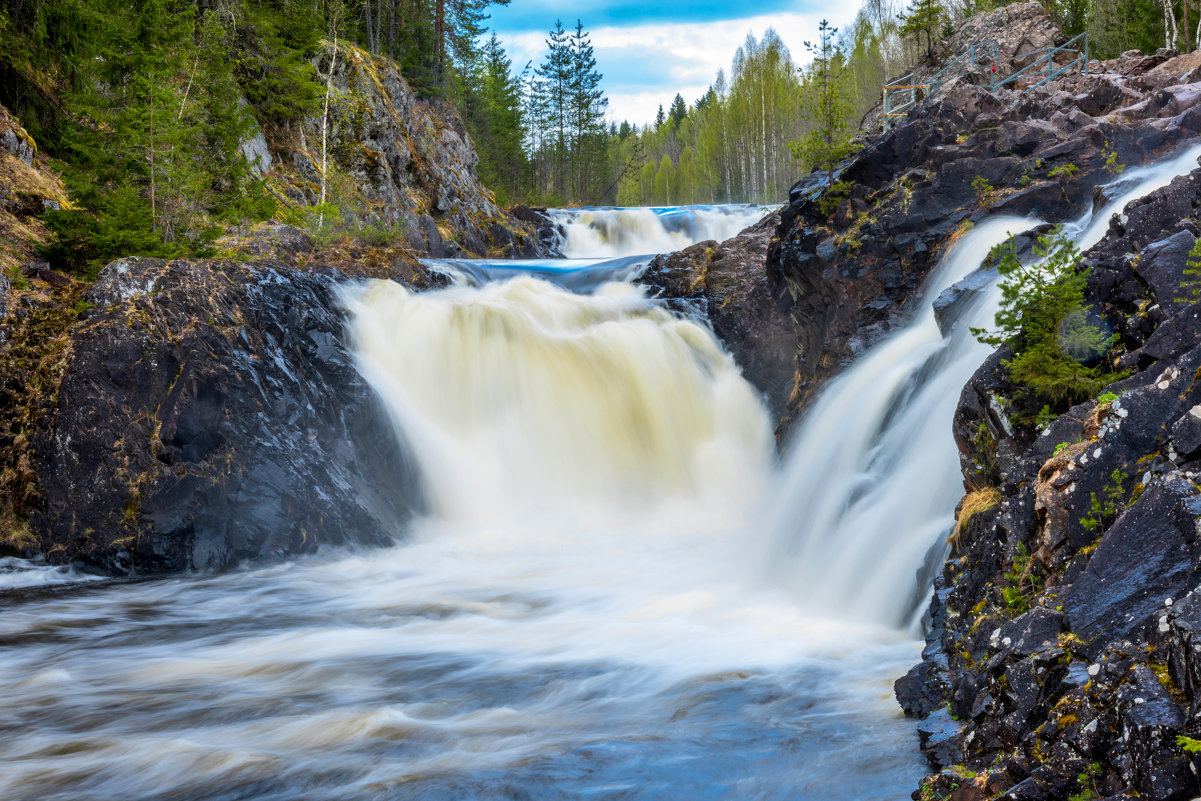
(583, 612)
(872, 477)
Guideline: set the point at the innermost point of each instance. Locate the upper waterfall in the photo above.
(615, 232)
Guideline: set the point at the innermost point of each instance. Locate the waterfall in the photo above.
(522, 398)
(615, 232)
(871, 478)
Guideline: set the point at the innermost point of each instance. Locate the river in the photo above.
(619, 592)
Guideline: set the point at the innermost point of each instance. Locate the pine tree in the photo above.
(499, 124)
(829, 141)
(925, 19)
(556, 72)
(679, 110)
(588, 105)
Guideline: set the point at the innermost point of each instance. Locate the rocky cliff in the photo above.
(965, 153)
(194, 414)
(726, 283)
(209, 412)
(401, 165)
(1063, 657)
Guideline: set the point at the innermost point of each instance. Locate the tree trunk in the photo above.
(1187, 32)
(439, 37)
(371, 47)
(329, 85)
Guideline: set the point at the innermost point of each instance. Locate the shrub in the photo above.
(1057, 343)
(1191, 286)
(1067, 171)
(983, 190)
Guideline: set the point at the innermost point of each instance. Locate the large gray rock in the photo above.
(212, 414)
(729, 282)
(1018, 29)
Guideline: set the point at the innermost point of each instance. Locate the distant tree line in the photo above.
(145, 103)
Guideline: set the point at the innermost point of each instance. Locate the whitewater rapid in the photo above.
(616, 594)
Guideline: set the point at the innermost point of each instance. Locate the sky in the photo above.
(648, 51)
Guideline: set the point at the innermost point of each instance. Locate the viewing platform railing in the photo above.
(900, 96)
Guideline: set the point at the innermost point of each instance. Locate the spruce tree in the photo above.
(924, 20)
(499, 125)
(679, 110)
(825, 104)
(588, 105)
(556, 72)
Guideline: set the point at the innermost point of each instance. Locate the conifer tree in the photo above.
(556, 73)
(923, 21)
(588, 105)
(679, 110)
(829, 141)
(499, 122)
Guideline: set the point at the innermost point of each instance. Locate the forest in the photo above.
(144, 106)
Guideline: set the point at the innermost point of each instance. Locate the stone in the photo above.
(1162, 266)
(1148, 555)
(211, 413)
(958, 298)
(740, 304)
(941, 738)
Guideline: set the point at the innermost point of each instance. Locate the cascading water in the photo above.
(582, 614)
(872, 477)
(616, 232)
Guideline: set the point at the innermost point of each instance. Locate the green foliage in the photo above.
(1111, 160)
(1188, 744)
(1087, 781)
(273, 45)
(1190, 282)
(497, 123)
(983, 190)
(1102, 511)
(1020, 582)
(1115, 26)
(1057, 344)
(1067, 171)
(1063, 446)
(16, 278)
(86, 240)
(826, 106)
(1106, 398)
(924, 21)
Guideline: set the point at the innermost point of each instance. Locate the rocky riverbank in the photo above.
(177, 415)
(1062, 659)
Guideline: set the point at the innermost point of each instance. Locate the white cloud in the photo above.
(645, 65)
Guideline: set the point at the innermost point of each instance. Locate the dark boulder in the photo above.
(211, 413)
(729, 282)
(959, 297)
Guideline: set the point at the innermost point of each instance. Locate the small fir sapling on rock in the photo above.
(1057, 342)
(826, 106)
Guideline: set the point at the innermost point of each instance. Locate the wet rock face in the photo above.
(727, 282)
(211, 413)
(964, 154)
(1064, 634)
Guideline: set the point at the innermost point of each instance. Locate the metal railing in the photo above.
(1045, 60)
(900, 96)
